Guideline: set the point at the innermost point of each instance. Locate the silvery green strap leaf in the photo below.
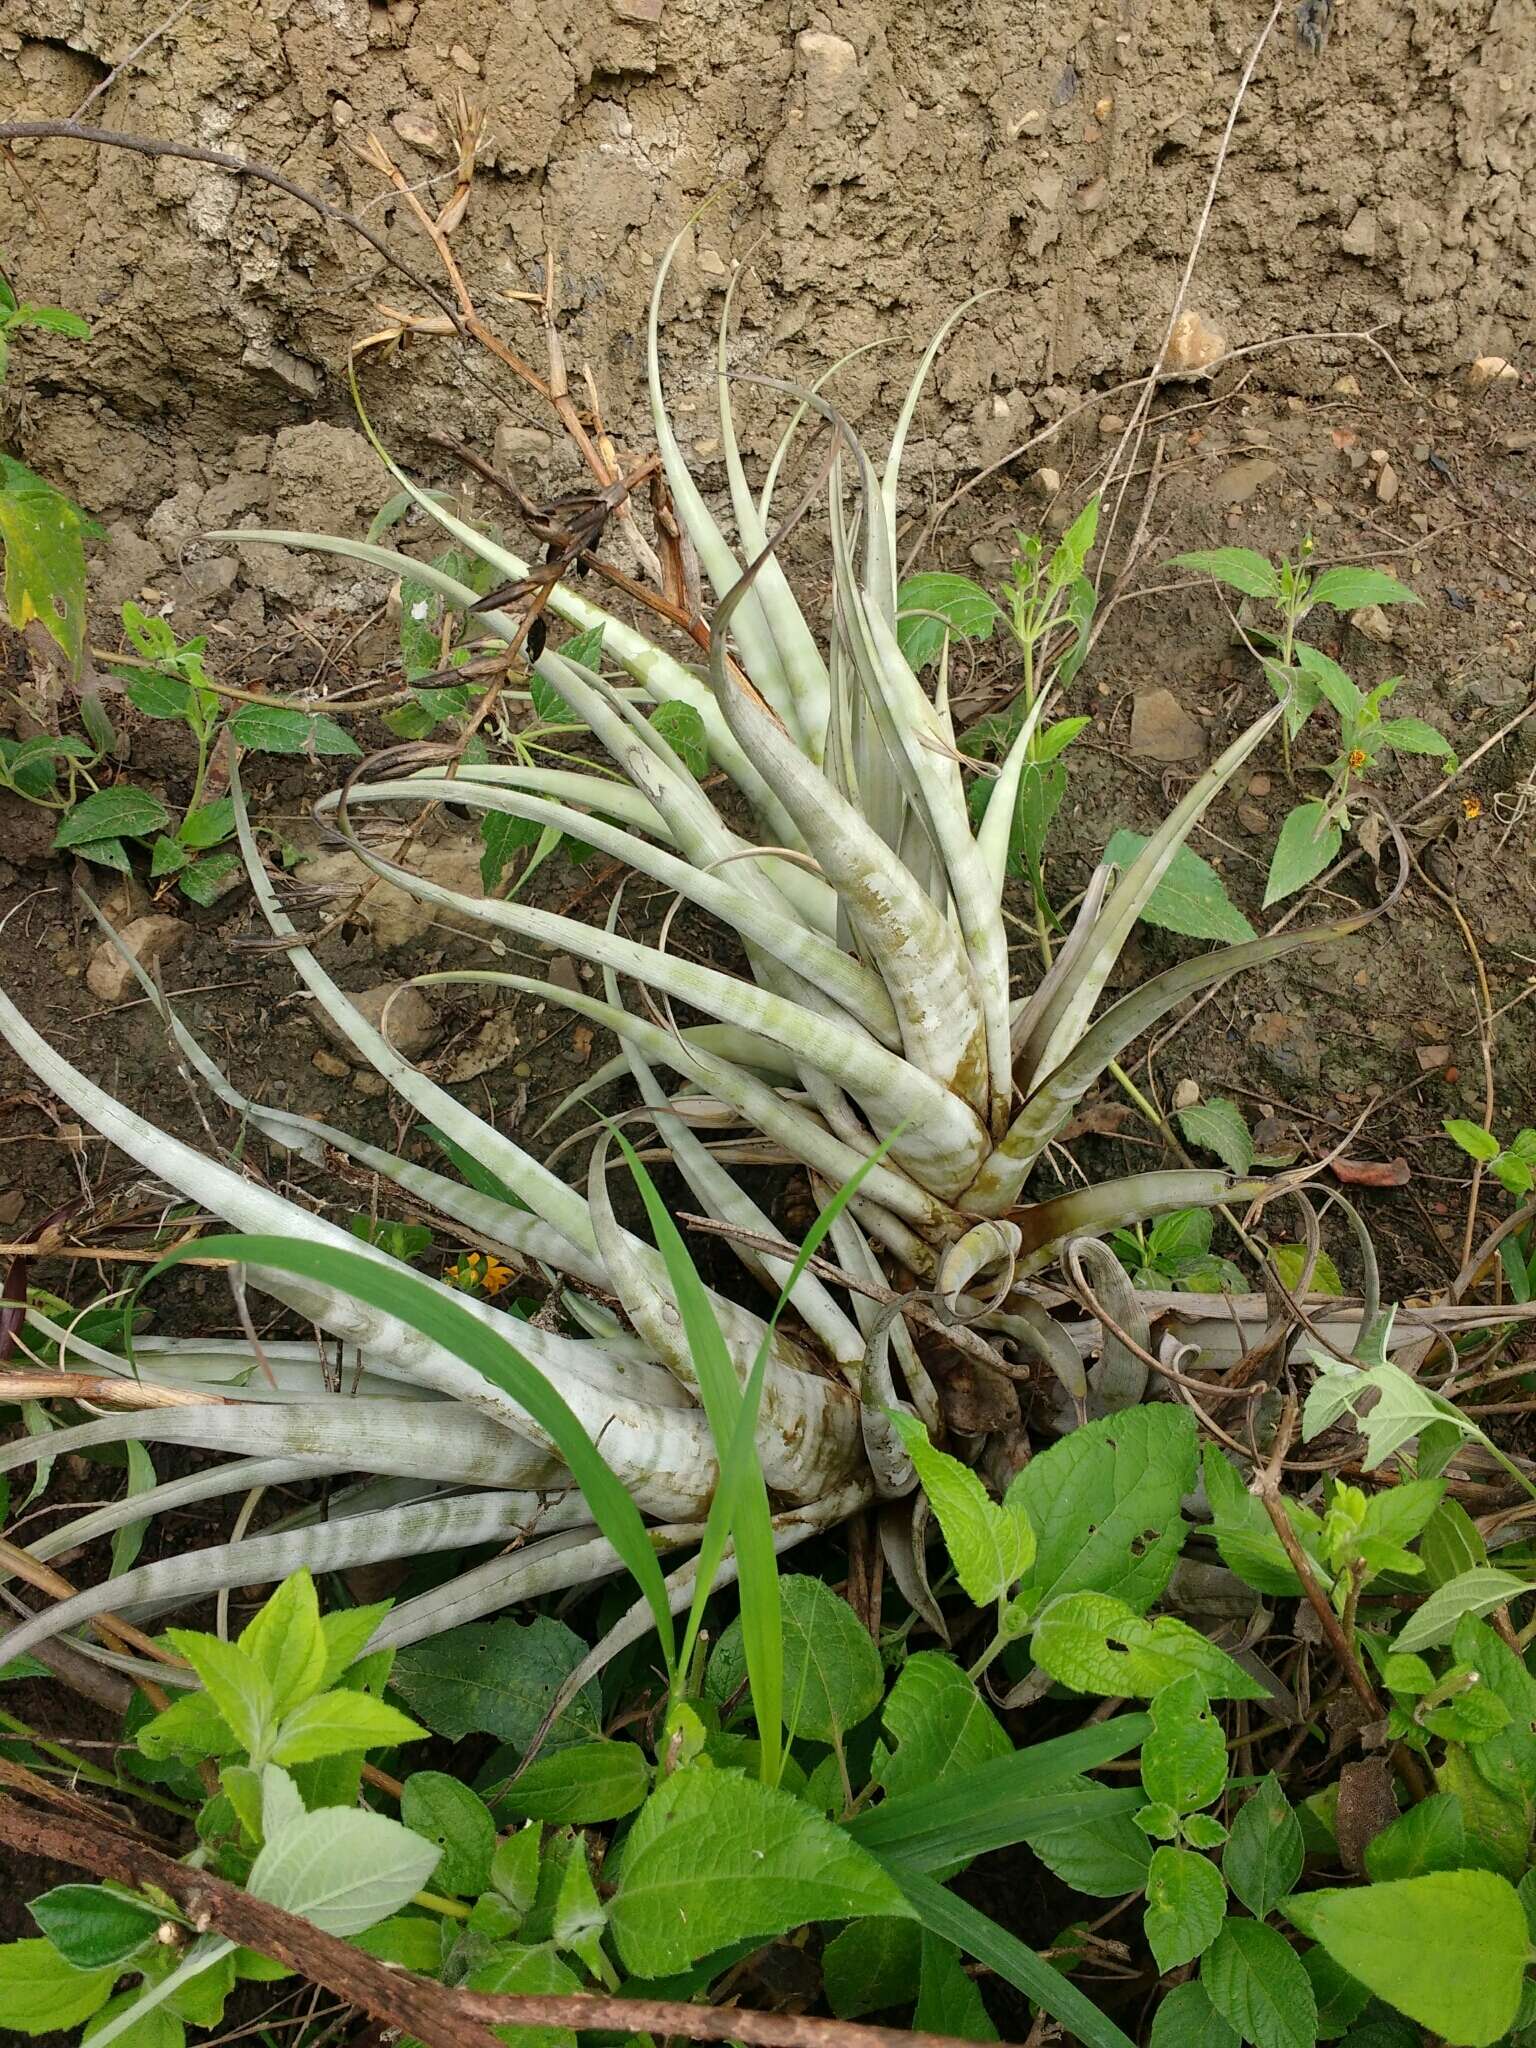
(605, 793)
(342, 1870)
(1116, 1204)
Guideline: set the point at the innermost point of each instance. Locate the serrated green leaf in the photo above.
(339, 1723)
(991, 1545)
(1472, 1138)
(500, 837)
(1096, 1643)
(1239, 568)
(447, 1814)
(1104, 1857)
(158, 695)
(123, 812)
(1332, 682)
(44, 539)
(1308, 841)
(165, 856)
(1185, 2018)
(208, 825)
(871, 1966)
(342, 1870)
(1263, 1857)
(960, 606)
(1219, 1126)
(948, 2001)
(40, 1992)
(1507, 1758)
(1186, 1903)
(1340, 1998)
(275, 729)
(1428, 1837)
(1254, 1979)
(518, 1971)
(1416, 736)
(1184, 1759)
(106, 853)
(772, 1864)
(1448, 1949)
(285, 1641)
(204, 879)
(591, 1781)
(1290, 1262)
(235, 1683)
(1191, 898)
(1477, 1591)
(938, 1723)
(1348, 589)
(499, 1678)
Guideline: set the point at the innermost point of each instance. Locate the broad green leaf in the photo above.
(1254, 1979)
(1348, 589)
(1450, 1544)
(1057, 738)
(339, 1723)
(203, 880)
(54, 319)
(772, 1864)
(585, 648)
(40, 1992)
(500, 837)
(285, 1641)
(591, 1781)
(1239, 568)
(1184, 1759)
(871, 1966)
(832, 1673)
(447, 1814)
(1290, 1262)
(189, 1727)
(274, 729)
(1429, 1836)
(499, 1678)
(43, 534)
(1183, 1235)
(1041, 791)
(1308, 841)
(1416, 736)
(165, 856)
(1476, 1142)
(1203, 1831)
(1263, 1857)
(938, 1723)
(1096, 1643)
(234, 1681)
(1498, 1827)
(342, 1870)
(123, 812)
(1449, 1949)
(159, 696)
(1507, 1759)
(156, 2027)
(961, 606)
(991, 1545)
(682, 727)
(1477, 1591)
(1104, 1501)
(105, 853)
(1332, 683)
(1185, 2018)
(549, 706)
(515, 1867)
(949, 2001)
(410, 1940)
(1105, 1857)
(93, 1927)
(1186, 1903)
(1191, 898)
(535, 1972)
(208, 825)
(1219, 1126)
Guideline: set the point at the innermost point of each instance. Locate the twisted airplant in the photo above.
(877, 1009)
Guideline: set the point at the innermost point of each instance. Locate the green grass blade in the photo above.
(396, 1291)
(943, 1914)
(994, 1805)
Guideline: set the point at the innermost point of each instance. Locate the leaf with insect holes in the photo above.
(448, 1814)
(203, 881)
(1308, 841)
(1191, 898)
(275, 729)
(106, 853)
(1186, 1904)
(932, 606)
(938, 1723)
(1416, 736)
(1104, 1500)
(990, 1544)
(120, 813)
(1095, 1643)
(44, 535)
(1448, 1949)
(682, 727)
(1348, 589)
(1219, 1126)
(1239, 568)
(1184, 1759)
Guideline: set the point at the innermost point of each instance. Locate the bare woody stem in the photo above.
(437, 2016)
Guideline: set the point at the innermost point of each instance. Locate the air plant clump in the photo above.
(876, 1016)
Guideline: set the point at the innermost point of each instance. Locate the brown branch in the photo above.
(437, 2016)
(242, 167)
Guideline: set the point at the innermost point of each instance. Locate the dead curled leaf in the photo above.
(1372, 1173)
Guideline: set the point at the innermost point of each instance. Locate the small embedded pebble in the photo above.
(327, 1063)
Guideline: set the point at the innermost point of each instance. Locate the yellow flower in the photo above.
(478, 1273)
(1471, 807)
(1358, 759)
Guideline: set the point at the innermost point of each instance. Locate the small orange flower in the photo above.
(478, 1273)
(1471, 807)
(1358, 759)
